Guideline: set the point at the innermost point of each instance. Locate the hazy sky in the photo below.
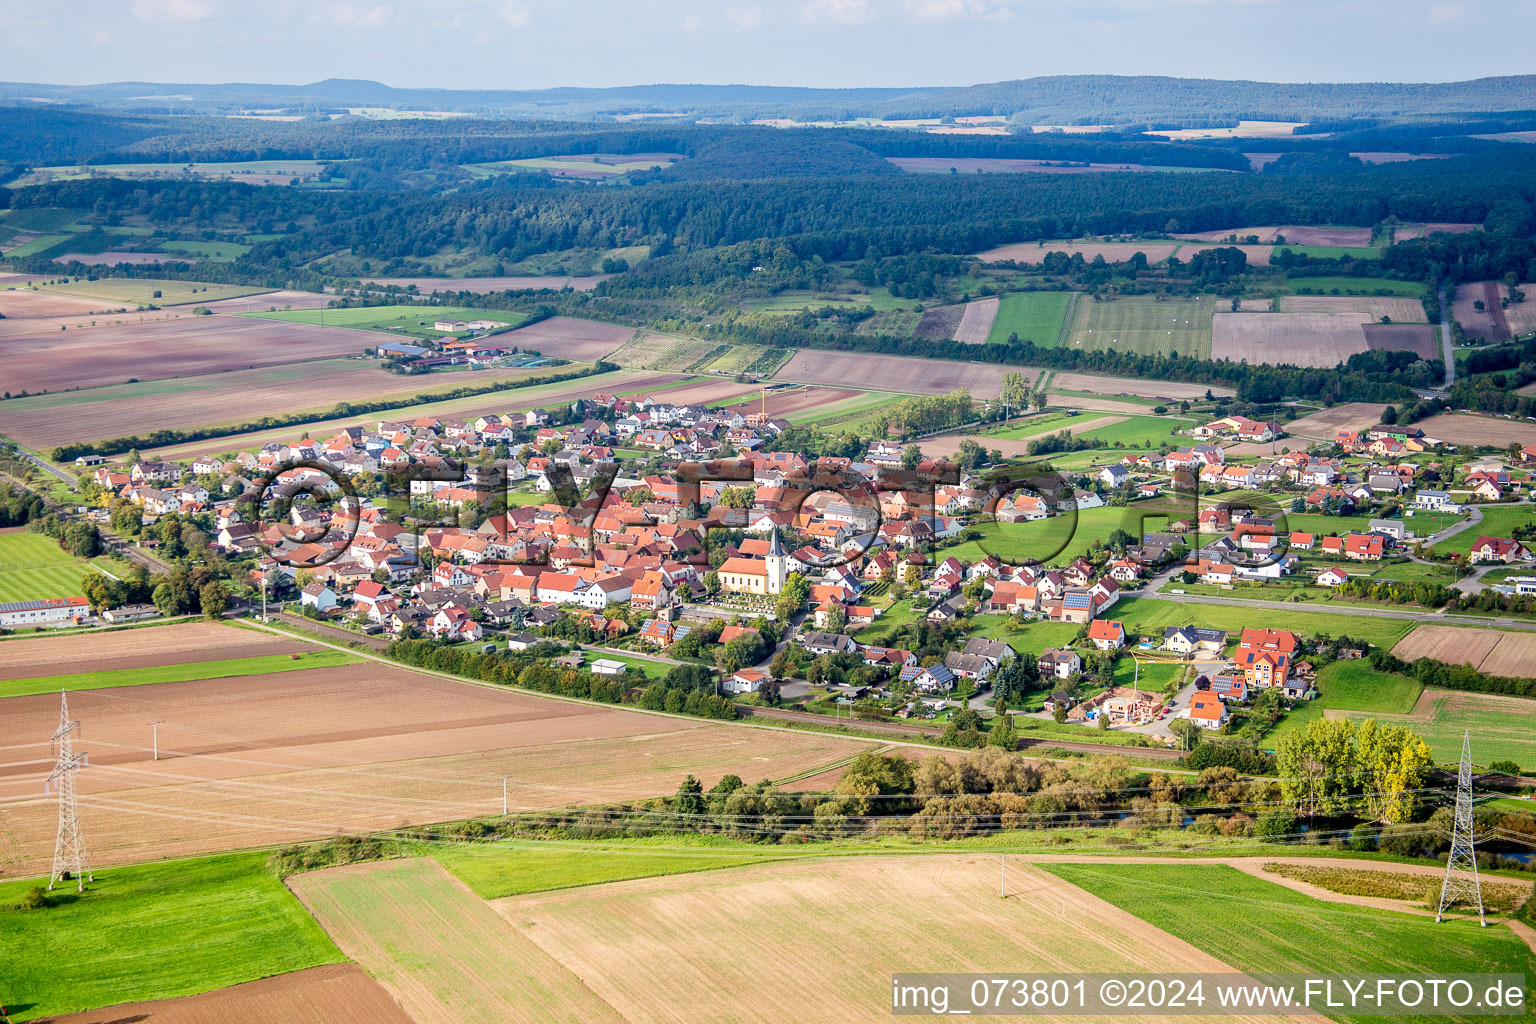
(540, 43)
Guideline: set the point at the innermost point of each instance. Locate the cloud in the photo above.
(1445, 14)
(835, 12)
(171, 10)
(692, 23)
(515, 14)
(350, 15)
(954, 10)
(744, 19)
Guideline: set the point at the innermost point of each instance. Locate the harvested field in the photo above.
(1243, 130)
(483, 285)
(1144, 325)
(1258, 255)
(24, 303)
(311, 752)
(177, 643)
(113, 257)
(566, 337)
(1422, 230)
(946, 445)
(240, 396)
(1113, 252)
(1326, 424)
(1304, 235)
(334, 994)
(1521, 316)
(1487, 324)
(1423, 340)
(1111, 386)
(1370, 308)
(791, 913)
(178, 348)
(1396, 158)
(1002, 165)
(1450, 644)
(976, 325)
(1465, 428)
(894, 373)
(73, 322)
(1264, 235)
(705, 392)
(798, 400)
(1295, 339)
(939, 323)
(441, 951)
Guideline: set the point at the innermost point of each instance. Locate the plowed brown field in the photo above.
(895, 373)
(1113, 252)
(334, 994)
(782, 403)
(1450, 644)
(175, 644)
(1111, 386)
(1326, 424)
(1458, 428)
(1295, 339)
(1370, 308)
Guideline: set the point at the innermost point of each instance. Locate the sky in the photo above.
(525, 44)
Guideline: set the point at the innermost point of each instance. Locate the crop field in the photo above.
(141, 291)
(1462, 428)
(844, 414)
(33, 566)
(113, 257)
(977, 321)
(1521, 316)
(249, 172)
(751, 359)
(410, 321)
(214, 399)
(1013, 442)
(1487, 324)
(1257, 925)
(1297, 339)
(28, 303)
(486, 285)
(1145, 325)
(154, 932)
(1351, 687)
(651, 351)
(1503, 728)
(119, 650)
(800, 404)
(588, 166)
(29, 311)
(1490, 651)
(565, 337)
(1370, 308)
(1423, 340)
(1134, 387)
(183, 347)
(1327, 423)
(243, 762)
(231, 668)
(893, 373)
(1336, 285)
(1113, 252)
(1034, 316)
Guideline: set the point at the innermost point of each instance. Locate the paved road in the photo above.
(1446, 348)
(1382, 613)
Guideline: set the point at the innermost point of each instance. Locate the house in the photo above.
(48, 611)
(1264, 656)
(1363, 547)
(521, 641)
(1332, 578)
(1498, 549)
(607, 667)
(828, 643)
(1059, 664)
(935, 679)
(1056, 700)
(748, 680)
(1188, 640)
(968, 666)
(1230, 688)
(319, 597)
(1114, 477)
(1435, 501)
(995, 651)
(1107, 634)
(1207, 711)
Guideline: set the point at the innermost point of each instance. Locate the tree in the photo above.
(690, 799)
(1015, 392)
(214, 597)
(913, 576)
(1040, 400)
(911, 455)
(1059, 713)
(738, 497)
(1392, 763)
(1003, 734)
(1015, 678)
(836, 619)
(712, 582)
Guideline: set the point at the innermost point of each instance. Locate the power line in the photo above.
(69, 847)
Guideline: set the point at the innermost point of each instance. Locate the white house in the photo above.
(318, 596)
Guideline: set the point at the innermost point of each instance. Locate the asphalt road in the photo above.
(1446, 348)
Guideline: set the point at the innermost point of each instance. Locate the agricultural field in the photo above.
(1013, 441)
(1370, 308)
(1138, 432)
(1056, 541)
(1488, 324)
(1336, 285)
(1034, 316)
(33, 566)
(232, 668)
(1298, 339)
(1257, 925)
(243, 763)
(1470, 429)
(486, 285)
(1113, 252)
(1325, 424)
(1110, 387)
(411, 321)
(903, 374)
(651, 351)
(154, 931)
(249, 172)
(138, 648)
(1503, 728)
(797, 404)
(585, 166)
(63, 417)
(1491, 651)
(1152, 615)
(977, 321)
(1352, 689)
(1145, 325)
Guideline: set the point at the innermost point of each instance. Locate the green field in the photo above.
(48, 219)
(412, 321)
(1056, 540)
(1352, 686)
(33, 566)
(1157, 676)
(1254, 925)
(1332, 252)
(1033, 316)
(1145, 325)
(36, 246)
(1139, 432)
(141, 291)
(153, 932)
(1498, 521)
(1354, 286)
(1031, 426)
(213, 252)
(1031, 638)
(1151, 615)
(229, 668)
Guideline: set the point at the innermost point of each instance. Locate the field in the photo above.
(1257, 925)
(39, 312)
(1033, 316)
(1152, 615)
(1355, 286)
(1490, 651)
(1111, 386)
(1487, 324)
(121, 649)
(590, 166)
(892, 373)
(1460, 428)
(1057, 540)
(1497, 521)
(565, 337)
(33, 566)
(1370, 308)
(231, 398)
(1243, 130)
(1352, 686)
(1327, 423)
(407, 321)
(801, 404)
(1005, 165)
(1135, 431)
(1297, 339)
(1014, 442)
(250, 172)
(141, 291)
(1503, 728)
(1144, 325)
(1423, 340)
(270, 758)
(486, 285)
(977, 321)
(651, 351)
(591, 953)
(1113, 252)
(186, 346)
(230, 668)
(153, 932)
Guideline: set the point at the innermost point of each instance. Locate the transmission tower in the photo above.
(1461, 881)
(69, 849)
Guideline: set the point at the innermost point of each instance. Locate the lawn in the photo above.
(1255, 925)
(411, 321)
(1151, 615)
(228, 668)
(1145, 325)
(1157, 676)
(653, 669)
(1354, 286)
(1033, 316)
(1498, 521)
(153, 932)
(1056, 540)
(893, 618)
(1415, 572)
(142, 291)
(1031, 426)
(1029, 639)
(33, 566)
(1352, 686)
(1139, 432)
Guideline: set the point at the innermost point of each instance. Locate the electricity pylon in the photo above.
(69, 848)
(1461, 880)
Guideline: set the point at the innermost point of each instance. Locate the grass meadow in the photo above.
(1498, 521)
(1153, 615)
(1353, 285)
(33, 566)
(141, 291)
(1033, 316)
(229, 668)
(1145, 325)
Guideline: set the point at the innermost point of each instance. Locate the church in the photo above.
(764, 575)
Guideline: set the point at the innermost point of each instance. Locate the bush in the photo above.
(1275, 825)
(36, 898)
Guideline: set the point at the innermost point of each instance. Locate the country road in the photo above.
(1446, 347)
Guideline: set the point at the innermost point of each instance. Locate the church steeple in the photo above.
(774, 562)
